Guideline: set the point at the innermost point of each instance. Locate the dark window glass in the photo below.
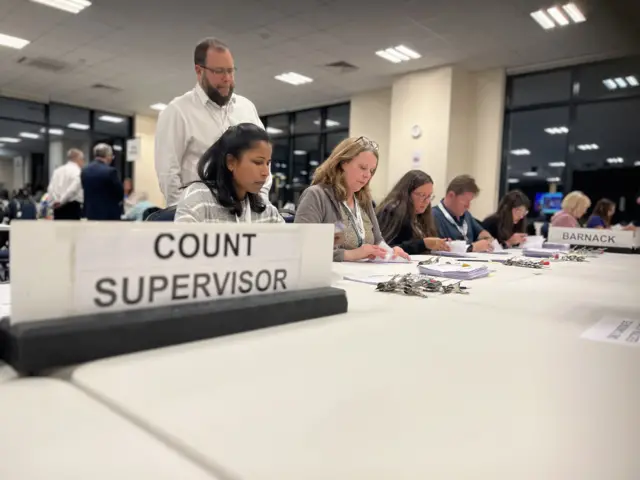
(69, 117)
(22, 110)
(537, 146)
(610, 79)
(333, 139)
(306, 150)
(535, 89)
(280, 169)
(307, 121)
(338, 117)
(111, 124)
(278, 125)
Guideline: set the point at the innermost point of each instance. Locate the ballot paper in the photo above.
(617, 330)
(458, 271)
(540, 252)
(391, 257)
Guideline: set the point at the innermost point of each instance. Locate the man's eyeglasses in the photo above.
(220, 71)
(367, 143)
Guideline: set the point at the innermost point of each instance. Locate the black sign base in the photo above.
(34, 346)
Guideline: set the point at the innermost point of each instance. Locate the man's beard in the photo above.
(214, 95)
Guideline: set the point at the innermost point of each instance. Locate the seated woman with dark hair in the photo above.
(231, 173)
(509, 224)
(602, 215)
(405, 216)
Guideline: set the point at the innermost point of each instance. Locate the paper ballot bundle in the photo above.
(458, 272)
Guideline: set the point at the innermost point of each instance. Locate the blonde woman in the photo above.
(574, 206)
(340, 195)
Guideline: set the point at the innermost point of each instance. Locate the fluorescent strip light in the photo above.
(636, 163)
(313, 163)
(117, 148)
(110, 119)
(386, 56)
(395, 53)
(530, 174)
(609, 160)
(557, 164)
(10, 140)
(610, 84)
(574, 13)
(520, 152)
(543, 20)
(557, 15)
(408, 52)
(13, 42)
(273, 130)
(620, 82)
(293, 78)
(71, 6)
(158, 106)
(56, 131)
(328, 122)
(557, 130)
(299, 152)
(514, 180)
(303, 172)
(78, 126)
(588, 146)
(631, 80)
(553, 179)
(30, 135)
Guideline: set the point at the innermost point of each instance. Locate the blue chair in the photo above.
(164, 215)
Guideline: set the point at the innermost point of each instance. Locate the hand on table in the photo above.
(398, 252)
(437, 244)
(483, 245)
(516, 239)
(365, 251)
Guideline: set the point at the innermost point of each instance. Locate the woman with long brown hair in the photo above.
(405, 216)
(340, 195)
(509, 224)
(602, 214)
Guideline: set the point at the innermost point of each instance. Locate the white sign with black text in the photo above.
(592, 237)
(621, 331)
(99, 267)
(133, 149)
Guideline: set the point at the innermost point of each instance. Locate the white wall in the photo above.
(370, 116)
(145, 178)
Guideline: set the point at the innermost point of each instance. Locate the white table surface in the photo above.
(50, 430)
(494, 385)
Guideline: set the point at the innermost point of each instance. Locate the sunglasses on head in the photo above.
(367, 143)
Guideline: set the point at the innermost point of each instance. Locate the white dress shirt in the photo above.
(65, 185)
(186, 129)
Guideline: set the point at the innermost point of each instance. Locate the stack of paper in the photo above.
(561, 247)
(459, 272)
(540, 252)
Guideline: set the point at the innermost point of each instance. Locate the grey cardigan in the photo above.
(318, 204)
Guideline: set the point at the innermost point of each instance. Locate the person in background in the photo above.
(194, 121)
(453, 219)
(509, 224)
(405, 216)
(340, 195)
(130, 197)
(602, 215)
(574, 206)
(231, 175)
(65, 188)
(103, 191)
(136, 212)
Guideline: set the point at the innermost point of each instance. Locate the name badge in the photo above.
(62, 269)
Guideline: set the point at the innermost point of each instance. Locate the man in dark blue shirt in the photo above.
(453, 219)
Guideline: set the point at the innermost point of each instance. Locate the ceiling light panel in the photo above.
(9, 140)
(613, 160)
(12, 42)
(558, 17)
(30, 135)
(585, 147)
(273, 130)
(636, 163)
(110, 119)
(71, 6)
(557, 130)
(520, 152)
(78, 126)
(398, 54)
(557, 164)
(158, 106)
(514, 180)
(293, 78)
(530, 174)
(553, 179)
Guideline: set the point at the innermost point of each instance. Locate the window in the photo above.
(22, 110)
(587, 140)
(111, 124)
(307, 121)
(69, 117)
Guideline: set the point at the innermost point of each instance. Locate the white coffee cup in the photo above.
(458, 246)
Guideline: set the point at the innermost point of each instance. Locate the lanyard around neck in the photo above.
(464, 229)
(355, 218)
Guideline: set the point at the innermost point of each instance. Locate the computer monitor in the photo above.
(548, 203)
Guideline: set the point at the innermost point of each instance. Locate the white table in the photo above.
(485, 386)
(53, 431)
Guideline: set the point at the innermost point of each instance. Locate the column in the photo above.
(56, 155)
(145, 176)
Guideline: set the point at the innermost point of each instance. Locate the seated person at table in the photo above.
(405, 216)
(509, 224)
(602, 215)
(453, 219)
(232, 172)
(340, 195)
(574, 206)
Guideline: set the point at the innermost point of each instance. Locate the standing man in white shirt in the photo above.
(194, 121)
(65, 188)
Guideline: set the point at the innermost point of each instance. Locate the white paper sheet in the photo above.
(621, 331)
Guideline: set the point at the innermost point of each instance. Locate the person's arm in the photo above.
(116, 184)
(170, 145)
(190, 208)
(311, 210)
(74, 188)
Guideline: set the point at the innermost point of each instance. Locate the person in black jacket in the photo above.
(509, 224)
(405, 216)
(103, 191)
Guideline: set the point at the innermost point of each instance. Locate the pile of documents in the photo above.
(458, 272)
(540, 252)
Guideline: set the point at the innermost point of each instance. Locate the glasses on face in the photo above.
(523, 212)
(367, 143)
(220, 70)
(423, 197)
